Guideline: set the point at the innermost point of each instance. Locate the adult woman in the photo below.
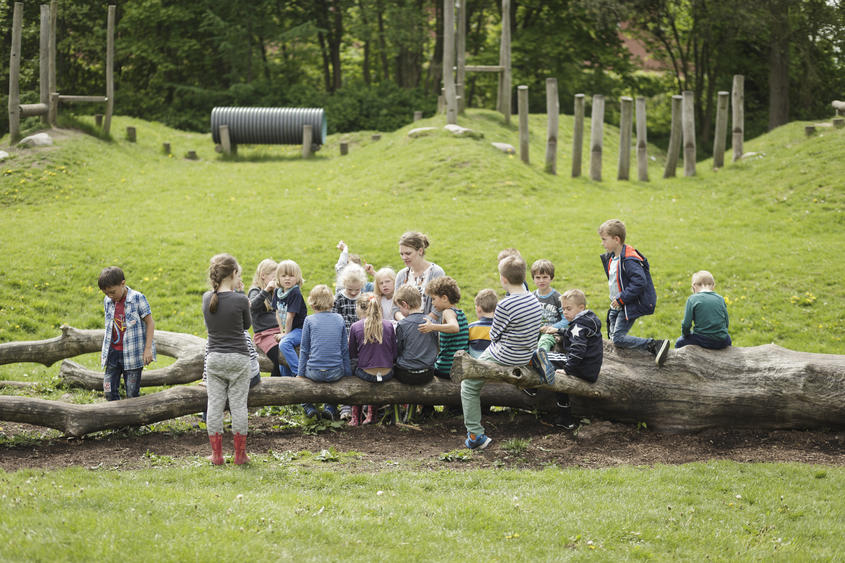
(417, 271)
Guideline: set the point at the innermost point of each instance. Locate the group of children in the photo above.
(405, 326)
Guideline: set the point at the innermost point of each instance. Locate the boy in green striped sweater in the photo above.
(453, 331)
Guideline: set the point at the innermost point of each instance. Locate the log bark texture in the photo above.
(765, 387)
(78, 420)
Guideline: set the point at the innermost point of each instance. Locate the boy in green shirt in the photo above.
(707, 310)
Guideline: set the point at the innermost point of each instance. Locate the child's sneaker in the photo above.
(479, 442)
(330, 412)
(309, 409)
(540, 362)
(345, 412)
(661, 351)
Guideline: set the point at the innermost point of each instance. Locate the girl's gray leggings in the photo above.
(228, 378)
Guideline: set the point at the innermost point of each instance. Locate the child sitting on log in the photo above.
(416, 351)
(372, 349)
(707, 310)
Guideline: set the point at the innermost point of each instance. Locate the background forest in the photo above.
(371, 63)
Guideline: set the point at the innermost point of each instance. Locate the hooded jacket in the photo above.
(633, 278)
(581, 342)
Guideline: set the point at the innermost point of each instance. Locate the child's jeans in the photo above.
(327, 375)
(111, 378)
(703, 341)
(290, 342)
(361, 374)
(618, 328)
(471, 398)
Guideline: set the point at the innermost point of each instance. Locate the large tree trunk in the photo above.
(77, 420)
(779, 63)
(760, 387)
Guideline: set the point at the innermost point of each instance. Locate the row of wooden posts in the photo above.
(682, 132)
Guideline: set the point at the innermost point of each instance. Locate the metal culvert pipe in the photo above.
(268, 126)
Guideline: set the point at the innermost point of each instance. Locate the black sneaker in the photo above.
(563, 417)
(661, 352)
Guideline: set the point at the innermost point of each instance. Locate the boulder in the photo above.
(37, 140)
(421, 132)
(505, 148)
(463, 131)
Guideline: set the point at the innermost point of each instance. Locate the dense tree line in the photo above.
(371, 63)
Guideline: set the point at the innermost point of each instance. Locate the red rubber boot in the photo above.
(240, 449)
(371, 414)
(216, 448)
(356, 416)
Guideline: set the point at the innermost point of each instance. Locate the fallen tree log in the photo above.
(765, 387)
(78, 420)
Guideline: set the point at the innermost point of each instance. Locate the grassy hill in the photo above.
(767, 227)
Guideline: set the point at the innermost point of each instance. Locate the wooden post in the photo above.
(53, 110)
(596, 132)
(688, 119)
(809, 130)
(307, 136)
(226, 140)
(674, 139)
(462, 54)
(14, 76)
(505, 94)
(417, 115)
(344, 148)
(522, 106)
(578, 135)
(165, 148)
(721, 130)
(44, 61)
(192, 155)
(130, 134)
(553, 112)
(625, 126)
(376, 137)
(98, 119)
(51, 61)
(839, 122)
(642, 141)
(449, 61)
(109, 71)
(738, 115)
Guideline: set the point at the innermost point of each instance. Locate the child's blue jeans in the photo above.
(703, 341)
(288, 345)
(111, 378)
(618, 327)
(327, 375)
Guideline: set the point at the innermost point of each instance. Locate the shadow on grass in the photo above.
(240, 157)
(69, 121)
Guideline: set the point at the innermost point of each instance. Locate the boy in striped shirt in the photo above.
(453, 334)
(513, 340)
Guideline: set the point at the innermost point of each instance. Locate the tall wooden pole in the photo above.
(553, 113)
(596, 132)
(688, 119)
(578, 135)
(44, 61)
(674, 139)
(642, 141)
(109, 72)
(721, 130)
(462, 54)
(505, 94)
(449, 61)
(15, 75)
(522, 103)
(51, 61)
(738, 115)
(625, 126)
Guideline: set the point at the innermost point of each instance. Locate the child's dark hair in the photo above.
(444, 285)
(512, 268)
(110, 277)
(221, 267)
(543, 266)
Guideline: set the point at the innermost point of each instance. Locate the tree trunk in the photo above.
(77, 420)
(764, 387)
(779, 64)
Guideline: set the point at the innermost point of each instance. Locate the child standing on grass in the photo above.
(513, 339)
(416, 351)
(128, 343)
(372, 349)
(479, 331)
(543, 272)
(707, 310)
(290, 314)
(264, 324)
(453, 330)
(385, 285)
(226, 314)
(632, 293)
(324, 352)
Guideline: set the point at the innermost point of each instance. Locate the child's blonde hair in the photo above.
(266, 266)
(321, 298)
(409, 294)
(291, 268)
(383, 274)
(575, 295)
(704, 278)
(369, 309)
(352, 272)
(486, 300)
(507, 252)
(613, 228)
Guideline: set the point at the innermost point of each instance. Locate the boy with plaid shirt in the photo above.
(128, 340)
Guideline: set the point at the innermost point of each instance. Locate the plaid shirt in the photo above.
(136, 309)
(345, 307)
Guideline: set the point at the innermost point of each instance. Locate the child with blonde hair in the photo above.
(385, 286)
(350, 285)
(707, 310)
(266, 331)
(290, 314)
(372, 349)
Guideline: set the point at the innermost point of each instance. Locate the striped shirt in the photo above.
(325, 343)
(516, 328)
(451, 343)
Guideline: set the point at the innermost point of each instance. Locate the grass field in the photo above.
(769, 229)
